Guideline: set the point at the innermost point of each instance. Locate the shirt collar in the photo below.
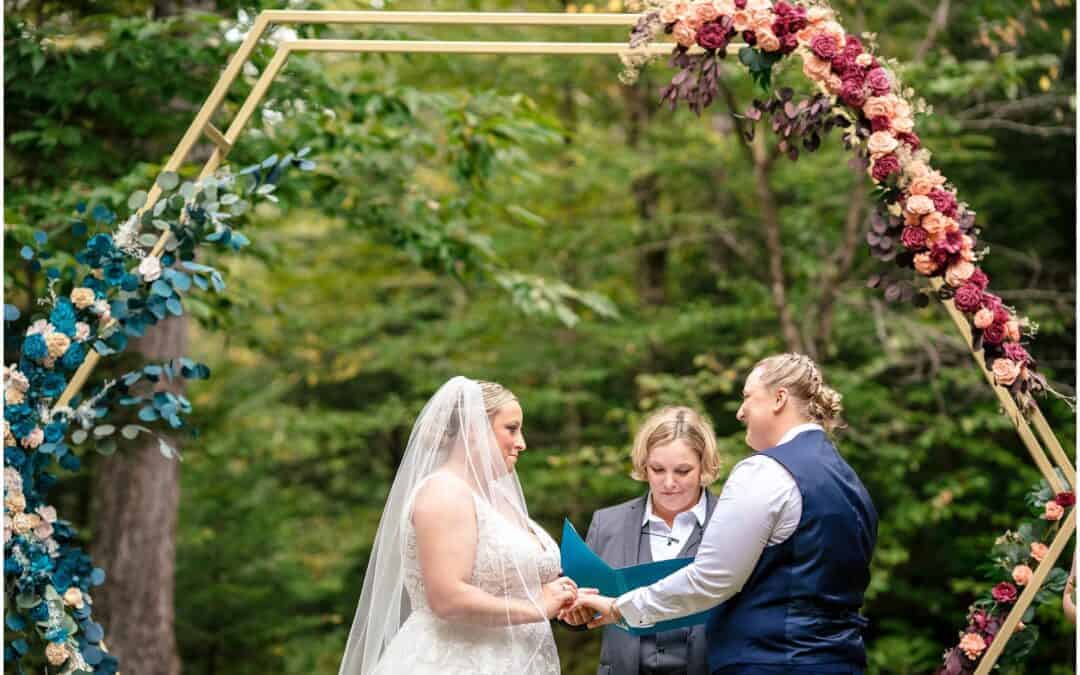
(700, 510)
(798, 429)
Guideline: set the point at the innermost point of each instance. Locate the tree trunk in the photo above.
(137, 494)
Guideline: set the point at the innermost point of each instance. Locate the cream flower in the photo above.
(15, 502)
(724, 7)
(34, 439)
(864, 60)
(1021, 574)
(82, 297)
(22, 523)
(150, 268)
(73, 597)
(920, 204)
(1038, 551)
(57, 343)
(761, 20)
(903, 125)
(882, 143)
(1005, 371)
(983, 318)
(14, 378)
(43, 531)
(56, 653)
(47, 513)
(40, 327)
(13, 396)
(82, 332)
(740, 20)
(12, 479)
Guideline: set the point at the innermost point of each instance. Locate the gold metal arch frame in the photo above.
(1049, 463)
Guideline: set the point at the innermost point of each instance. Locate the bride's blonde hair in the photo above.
(495, 396)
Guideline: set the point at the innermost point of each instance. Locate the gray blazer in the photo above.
(615, 534)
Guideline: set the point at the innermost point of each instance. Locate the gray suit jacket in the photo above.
(615, 533)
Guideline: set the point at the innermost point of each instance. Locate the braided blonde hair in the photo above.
(802, 378)
(495, 396)
(671, 424)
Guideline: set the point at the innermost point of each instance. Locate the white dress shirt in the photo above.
(760, 506)
(667, 542)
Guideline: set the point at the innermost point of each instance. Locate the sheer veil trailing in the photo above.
(453, 432)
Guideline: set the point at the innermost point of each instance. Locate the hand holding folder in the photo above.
(588, 570)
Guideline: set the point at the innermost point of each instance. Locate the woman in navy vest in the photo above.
(675, 452)
(785, 559)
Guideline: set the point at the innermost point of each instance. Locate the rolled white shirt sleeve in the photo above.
(760, 505)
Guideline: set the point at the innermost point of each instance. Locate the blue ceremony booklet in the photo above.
(589, 570)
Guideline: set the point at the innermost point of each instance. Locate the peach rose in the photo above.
(767, 40)
(724, 7)
(912, 219)
(1012, 331)
(1038, 551)
(674, 12)
(56, 653)
(1054, 511)
(904, 125)
(34, 439)
(903, 108)
(937, 224)
(684, 34)
(917, 168)
(1021, 574)
(835, 84)
(936, 177)
(920, 204)
(705, 11)
(882, 143)
(923, 264)
(816, 69)
(921, 186)
(16, 502)
(818, 14)
(57, 343)
(22, 523)
(13, 396)
(1005, 371)
(760, 21)
(880, 106)
(82, 297)
(958, 273)
(9, 438)
(740, 20)
(983, 318)
(759, 5)
(73, 597)
(973, 645)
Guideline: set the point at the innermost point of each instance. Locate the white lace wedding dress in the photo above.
(428, 645)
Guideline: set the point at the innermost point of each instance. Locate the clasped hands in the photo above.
(591, 608)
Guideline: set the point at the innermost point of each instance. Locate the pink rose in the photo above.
(924, 264)
(959, 273)
(823, 46)
(979, 277)
(34, 439)
(914, 238)
(767, 40)
(1005, 371)
(968, 298)
(1038, 551)
(878, 81)
(853, 92)
(684, 34)
(1053, 510)
(1021, 574)
(944, 201)
(919, 204)
(885, 166)
(1004, 593)
(881, 143)
(972, 645)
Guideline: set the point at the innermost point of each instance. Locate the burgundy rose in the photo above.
(979, 278)
(968, 299)
(823, 46)
(913, 237)
(910, 138)
(880, 123)
(940, 256)
(979, 620)
(991, 301)
(885, 167)
(740, 4)
(944, 201)
(789, 43)
(1004, 593)
(712, 35)
(844, 65)
(1065, 499)
(748, 36)
(1001, 315)
(879, 82)
(853, 92)
(994, 334)
(853, 46)
(1015, 352)
(952, 243)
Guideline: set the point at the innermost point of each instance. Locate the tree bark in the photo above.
(137, 494)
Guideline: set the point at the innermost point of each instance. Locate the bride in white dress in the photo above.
(460, 581)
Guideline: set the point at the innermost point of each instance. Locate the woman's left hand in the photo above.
(600, 608)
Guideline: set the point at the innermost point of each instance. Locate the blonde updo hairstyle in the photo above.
(801, 377)
(675, 423)
(495, 396)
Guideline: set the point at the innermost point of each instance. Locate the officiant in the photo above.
(675, 453)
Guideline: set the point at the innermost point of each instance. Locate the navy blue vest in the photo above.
(800, 606)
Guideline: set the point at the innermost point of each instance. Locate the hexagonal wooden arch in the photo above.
(1048, 463)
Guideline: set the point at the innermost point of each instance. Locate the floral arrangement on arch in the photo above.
(116, 291)
(1015, 557)
(921, 224)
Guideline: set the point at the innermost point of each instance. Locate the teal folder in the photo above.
(589, 570)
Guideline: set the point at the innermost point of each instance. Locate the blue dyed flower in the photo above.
(11, 567)
(73, 357)
(114, 273)
(34, 347)
(52, 385)
(39, 612)
(63, 317)
(58, 634)
(130, 282)
(54, 431)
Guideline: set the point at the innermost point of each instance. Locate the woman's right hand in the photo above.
(558, 595)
